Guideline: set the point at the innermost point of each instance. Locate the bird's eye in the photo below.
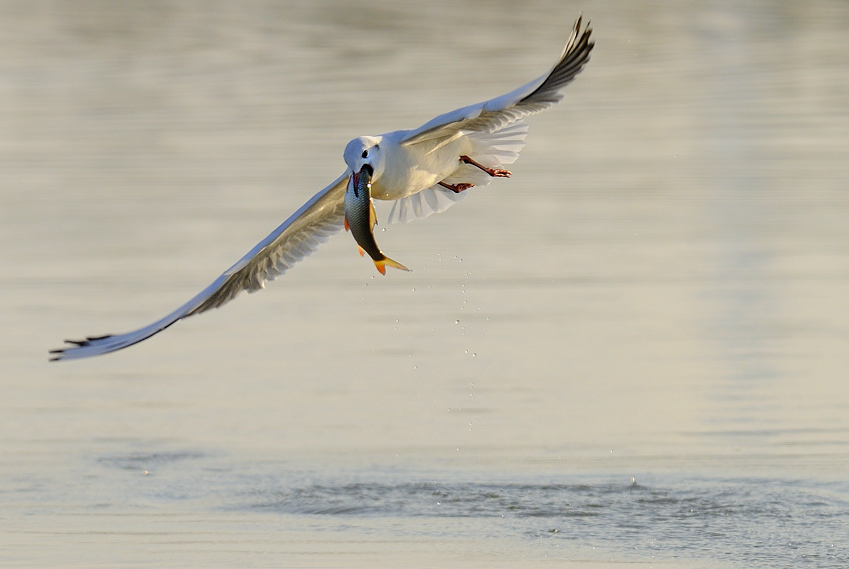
(365, 153)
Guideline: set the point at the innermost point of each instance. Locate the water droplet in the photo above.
(456, 322)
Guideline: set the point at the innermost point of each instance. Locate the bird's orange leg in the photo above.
(494, 172)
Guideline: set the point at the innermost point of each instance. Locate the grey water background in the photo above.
(633, 352)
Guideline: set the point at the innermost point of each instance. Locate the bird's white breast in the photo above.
(413, 168)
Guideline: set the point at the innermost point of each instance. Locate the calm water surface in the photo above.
(634, 352)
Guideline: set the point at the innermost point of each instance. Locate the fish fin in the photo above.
(347, 226)
(362, 251)
(372, 216)
(381, 265)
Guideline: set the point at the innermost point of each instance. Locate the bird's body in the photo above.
(416, 168)
(423, 170)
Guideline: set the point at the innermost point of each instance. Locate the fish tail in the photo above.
(382, 263)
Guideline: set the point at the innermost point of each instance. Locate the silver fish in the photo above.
(360, 219)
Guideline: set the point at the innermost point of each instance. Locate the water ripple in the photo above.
(756, 522)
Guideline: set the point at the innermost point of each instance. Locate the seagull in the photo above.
(423, 170)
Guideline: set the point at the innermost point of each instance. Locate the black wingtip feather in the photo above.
(76, 344)
(575, 56)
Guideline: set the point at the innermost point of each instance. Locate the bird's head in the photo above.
(364, 156)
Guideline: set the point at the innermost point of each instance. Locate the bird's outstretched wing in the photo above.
(297, 237)
(497, 113)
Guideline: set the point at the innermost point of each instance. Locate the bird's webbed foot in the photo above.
(456, 188)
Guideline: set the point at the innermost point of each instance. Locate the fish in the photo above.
(360, 219)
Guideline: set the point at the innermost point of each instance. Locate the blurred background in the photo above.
(635, 350)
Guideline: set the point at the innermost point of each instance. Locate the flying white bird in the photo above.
(424, 170)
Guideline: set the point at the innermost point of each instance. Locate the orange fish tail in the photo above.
(382, 264)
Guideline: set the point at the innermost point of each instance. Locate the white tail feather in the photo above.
(423, 204)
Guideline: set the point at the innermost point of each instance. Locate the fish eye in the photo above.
(365, 153)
